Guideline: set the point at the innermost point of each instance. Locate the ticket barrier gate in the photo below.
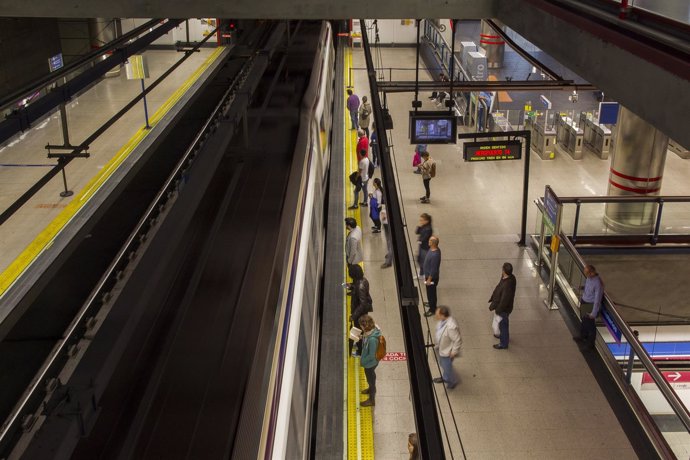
(569, 136)
(543, 141)
(499, 123)
(597, 138)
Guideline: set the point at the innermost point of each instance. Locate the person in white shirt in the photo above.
(362, 182)
(448, 342)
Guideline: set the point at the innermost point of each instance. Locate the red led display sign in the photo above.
(492, 150)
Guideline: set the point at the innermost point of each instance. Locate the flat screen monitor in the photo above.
(433, 128)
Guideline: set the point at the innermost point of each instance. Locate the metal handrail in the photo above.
(669, 394)
(122, 256)
(624, 199)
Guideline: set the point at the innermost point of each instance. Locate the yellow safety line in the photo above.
(47, 236)
(360, 419)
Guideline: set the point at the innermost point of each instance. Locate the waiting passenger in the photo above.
(364, 113)
(501, 302)
(362, 182)
(375, 202)
(428, 168)
(362, 145)
(432, 272)
(353, 243)
(353, 108)
(388, 260)
(360, 303)
(448, 343)
(424, 231)
(368, 361)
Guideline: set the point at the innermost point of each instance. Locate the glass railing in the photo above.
(657, 406)
(434, 37)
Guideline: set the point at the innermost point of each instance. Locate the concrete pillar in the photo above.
(493, 45)
(637, 167)
(101, 32)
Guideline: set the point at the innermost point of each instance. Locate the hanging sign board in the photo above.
(492, 150)
(137, 67)
(55, 62)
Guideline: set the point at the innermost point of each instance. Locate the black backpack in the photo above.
(370, 171)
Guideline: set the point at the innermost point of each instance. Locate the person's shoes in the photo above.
(417, 171)
(354, 206)
(438, 380)
(385, 265)
(367, 403)
(425, 201)
(376, 231)
(498, 346)
(497, 336)
(450, 387)
(365, 392)
(422, 198)
(364, 205)
(426, 305)
(373, 228)
(428, 313)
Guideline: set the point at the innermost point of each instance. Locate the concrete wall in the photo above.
(25, 46)
(395, 31)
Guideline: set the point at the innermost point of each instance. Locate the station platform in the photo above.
(538, 399)
(23, 159)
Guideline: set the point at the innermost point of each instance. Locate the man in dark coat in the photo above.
(501, 302)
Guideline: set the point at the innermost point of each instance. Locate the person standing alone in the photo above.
(448, 341)
(501, 303)
(428, 168)
(353, 243)
(590, 306)
(368, 361)
(432, 270)
(353, 108)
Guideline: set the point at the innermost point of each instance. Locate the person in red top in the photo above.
(362, 145)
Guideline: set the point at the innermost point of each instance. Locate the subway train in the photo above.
(207, 339)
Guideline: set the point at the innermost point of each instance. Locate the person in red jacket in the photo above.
(362, 145)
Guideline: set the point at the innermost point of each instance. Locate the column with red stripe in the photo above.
(637, 167)
(493, 45)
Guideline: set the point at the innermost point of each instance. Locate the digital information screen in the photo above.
(492, 150)
(433, 128)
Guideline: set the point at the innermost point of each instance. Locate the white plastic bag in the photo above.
(494, 324)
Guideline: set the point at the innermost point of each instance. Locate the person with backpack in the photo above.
(360, 301)
(361, 182)
(353, 108)
(375, 202)
(448, 343)
(428, 168)
(373, 350)
(364, 114)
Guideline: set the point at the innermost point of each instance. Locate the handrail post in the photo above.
(655, 237)
(577, 220)
(631, 362)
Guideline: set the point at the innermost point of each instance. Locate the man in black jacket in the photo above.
(501, 302)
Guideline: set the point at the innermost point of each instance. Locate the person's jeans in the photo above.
(420, 259)
(370, 374)
(427, 188)
(361, 185)
(389, 244)
(503, 328)
(449, 375)
(354, 118)
(588, 330)
(431, 296)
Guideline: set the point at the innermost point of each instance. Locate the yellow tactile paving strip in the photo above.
(360, 427)
(46, 237)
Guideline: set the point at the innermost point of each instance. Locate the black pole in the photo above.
(421, 385)
(527, 135)
(416, 103)
(451, 100)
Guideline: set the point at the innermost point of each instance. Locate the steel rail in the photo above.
(624, 199)
(465, 86)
